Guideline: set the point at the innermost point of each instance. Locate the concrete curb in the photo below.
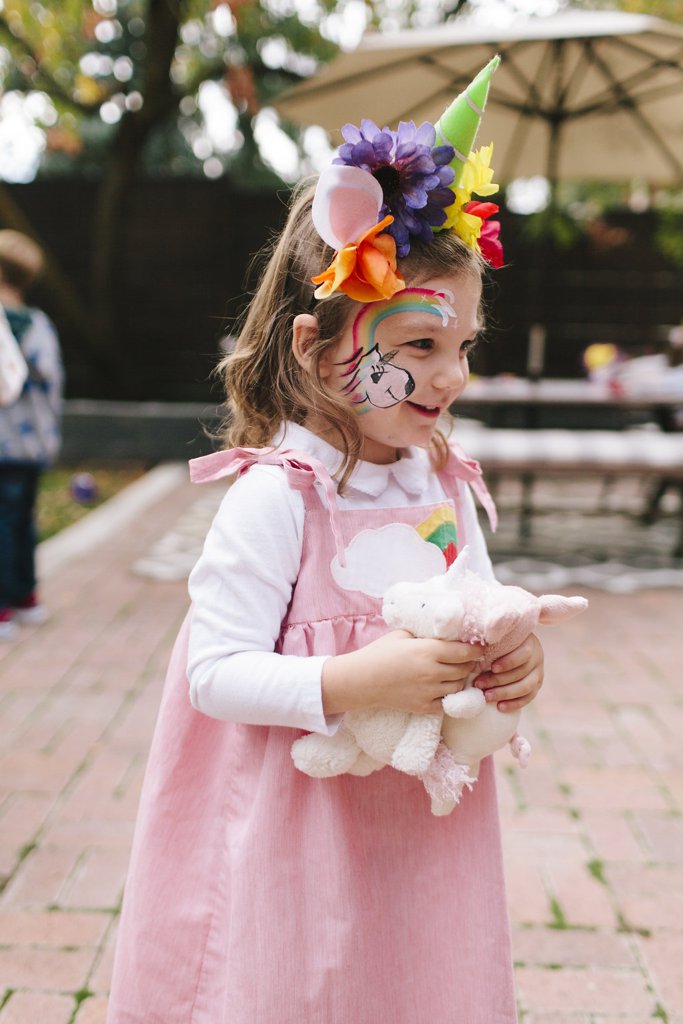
(118, 512)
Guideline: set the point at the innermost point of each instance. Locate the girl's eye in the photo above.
(468, 347)
(422, 344)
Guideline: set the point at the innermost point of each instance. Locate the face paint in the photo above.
(373, 380)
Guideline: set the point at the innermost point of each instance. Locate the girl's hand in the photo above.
(398, 671)
(515, 679)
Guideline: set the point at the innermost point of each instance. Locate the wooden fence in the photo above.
(189, 244)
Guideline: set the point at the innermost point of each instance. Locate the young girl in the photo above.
(256, 894)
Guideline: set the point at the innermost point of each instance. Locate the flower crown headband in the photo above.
(388, 187)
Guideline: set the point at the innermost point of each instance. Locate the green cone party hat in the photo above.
(459, 123)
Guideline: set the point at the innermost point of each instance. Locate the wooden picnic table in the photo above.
(503, 393)
(517, 439)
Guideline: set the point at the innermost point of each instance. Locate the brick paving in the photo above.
(593, 829)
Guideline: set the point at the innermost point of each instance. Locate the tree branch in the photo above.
(51, 86)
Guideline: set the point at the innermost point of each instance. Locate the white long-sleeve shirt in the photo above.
(243, 581)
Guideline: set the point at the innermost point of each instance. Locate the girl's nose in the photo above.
(451, 374)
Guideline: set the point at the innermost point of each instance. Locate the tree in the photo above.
(120, 76)
(122, 83)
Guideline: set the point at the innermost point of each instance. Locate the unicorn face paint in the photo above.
(403, 362)
(373, 378)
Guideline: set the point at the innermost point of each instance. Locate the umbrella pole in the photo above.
(535, 359)
(535, 362)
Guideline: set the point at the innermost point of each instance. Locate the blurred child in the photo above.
(29, 432)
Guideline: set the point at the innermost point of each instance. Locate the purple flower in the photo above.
(413, 172)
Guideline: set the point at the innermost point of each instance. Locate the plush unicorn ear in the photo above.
(346, 204)
(555, 607)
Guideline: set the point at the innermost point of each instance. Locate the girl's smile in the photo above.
(425, 410)
(403, 362)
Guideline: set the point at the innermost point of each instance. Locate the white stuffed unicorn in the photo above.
(443, 750)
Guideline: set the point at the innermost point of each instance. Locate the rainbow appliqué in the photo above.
(440, 528)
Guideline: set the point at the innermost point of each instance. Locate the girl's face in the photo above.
(401, 363)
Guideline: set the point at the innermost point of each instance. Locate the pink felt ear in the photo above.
(346, 204)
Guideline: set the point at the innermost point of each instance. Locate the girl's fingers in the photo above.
(515, 705)
(523, 689)
(488, 680)
(447, 686)
(451, 652)
(457, 673)
(515, 659)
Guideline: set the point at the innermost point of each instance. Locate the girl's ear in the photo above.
(304, 336)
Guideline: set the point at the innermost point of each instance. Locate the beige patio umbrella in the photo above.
(579, 95)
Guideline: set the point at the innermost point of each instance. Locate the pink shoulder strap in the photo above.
(301, 472)
(461, 467)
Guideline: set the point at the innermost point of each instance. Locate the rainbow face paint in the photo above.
(373, 379)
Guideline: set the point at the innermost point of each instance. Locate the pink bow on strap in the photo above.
(462, 467)
(301, 472)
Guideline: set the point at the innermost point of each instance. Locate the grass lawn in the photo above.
(56, 508)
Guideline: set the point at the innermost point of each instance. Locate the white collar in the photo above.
(410, 472)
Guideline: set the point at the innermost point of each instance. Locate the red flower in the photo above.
(489, 239)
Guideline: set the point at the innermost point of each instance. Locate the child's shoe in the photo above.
(30, 612)
(8, 628)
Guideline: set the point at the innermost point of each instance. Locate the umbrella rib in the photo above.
(455, 80)
(630, 106)
(576, 73)
(452, 80)
(526, 113)
(657, 61)
(534, 108)
(367, 75)
(631, 81)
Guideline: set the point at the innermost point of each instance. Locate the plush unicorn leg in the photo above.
(467, 703)
(325, 756)
(445, 780)
(521, 749)
(417, 747)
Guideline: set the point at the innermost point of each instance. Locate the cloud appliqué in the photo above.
(376, 559)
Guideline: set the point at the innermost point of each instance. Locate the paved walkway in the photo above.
(593, 828)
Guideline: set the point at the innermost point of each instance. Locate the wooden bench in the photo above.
(532, 453)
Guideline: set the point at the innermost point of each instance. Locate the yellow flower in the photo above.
(478, 174)
(477, 179)
(467, 226)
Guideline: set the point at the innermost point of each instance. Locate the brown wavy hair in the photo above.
(264, 383)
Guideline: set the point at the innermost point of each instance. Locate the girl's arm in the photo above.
(398, 671)
(240, 590)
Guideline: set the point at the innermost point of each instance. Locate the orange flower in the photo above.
(365, 271)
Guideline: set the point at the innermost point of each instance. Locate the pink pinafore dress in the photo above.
(258, 895)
